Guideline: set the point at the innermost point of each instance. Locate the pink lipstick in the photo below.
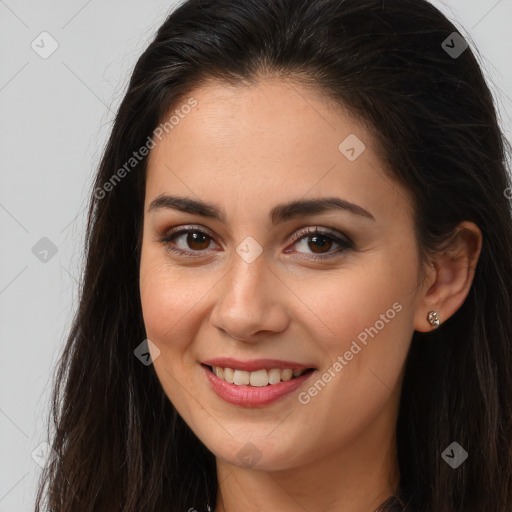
(254, 396)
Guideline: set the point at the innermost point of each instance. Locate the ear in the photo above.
(449, 279)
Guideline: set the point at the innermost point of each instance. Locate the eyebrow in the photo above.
(279, 213)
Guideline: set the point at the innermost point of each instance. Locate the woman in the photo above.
(297, 288)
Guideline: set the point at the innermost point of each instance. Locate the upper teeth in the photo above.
(257, 378)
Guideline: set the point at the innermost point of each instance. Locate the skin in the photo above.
(247, 149)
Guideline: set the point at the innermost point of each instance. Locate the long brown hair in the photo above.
(120, 443)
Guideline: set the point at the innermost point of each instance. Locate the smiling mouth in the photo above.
(258, 378)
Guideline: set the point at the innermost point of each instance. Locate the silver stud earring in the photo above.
(433, 319)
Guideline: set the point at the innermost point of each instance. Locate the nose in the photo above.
(251, 301)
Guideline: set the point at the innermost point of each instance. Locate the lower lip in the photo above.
(253, 396)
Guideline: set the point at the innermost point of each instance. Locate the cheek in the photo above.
(167, 301)
(366, 315)
(369, 315)
(347, 303)
(168, 298)
(164, 302)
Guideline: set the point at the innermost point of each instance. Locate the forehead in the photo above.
(267, 143)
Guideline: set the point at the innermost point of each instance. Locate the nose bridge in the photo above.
(249, 269)
(246, 283)
(247, 299)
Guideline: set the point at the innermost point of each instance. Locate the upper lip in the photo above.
(255, 364)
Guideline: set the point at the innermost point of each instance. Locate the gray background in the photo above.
(56, 115)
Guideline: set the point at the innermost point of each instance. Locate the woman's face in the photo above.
(246, 289)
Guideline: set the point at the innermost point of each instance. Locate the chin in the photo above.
(261, 454)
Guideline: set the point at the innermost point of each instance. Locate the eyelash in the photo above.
(344, 242)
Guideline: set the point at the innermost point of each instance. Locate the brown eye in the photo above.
(191, 241)
(322, 241)
(197, 240)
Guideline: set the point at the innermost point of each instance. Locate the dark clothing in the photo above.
(399, 508)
